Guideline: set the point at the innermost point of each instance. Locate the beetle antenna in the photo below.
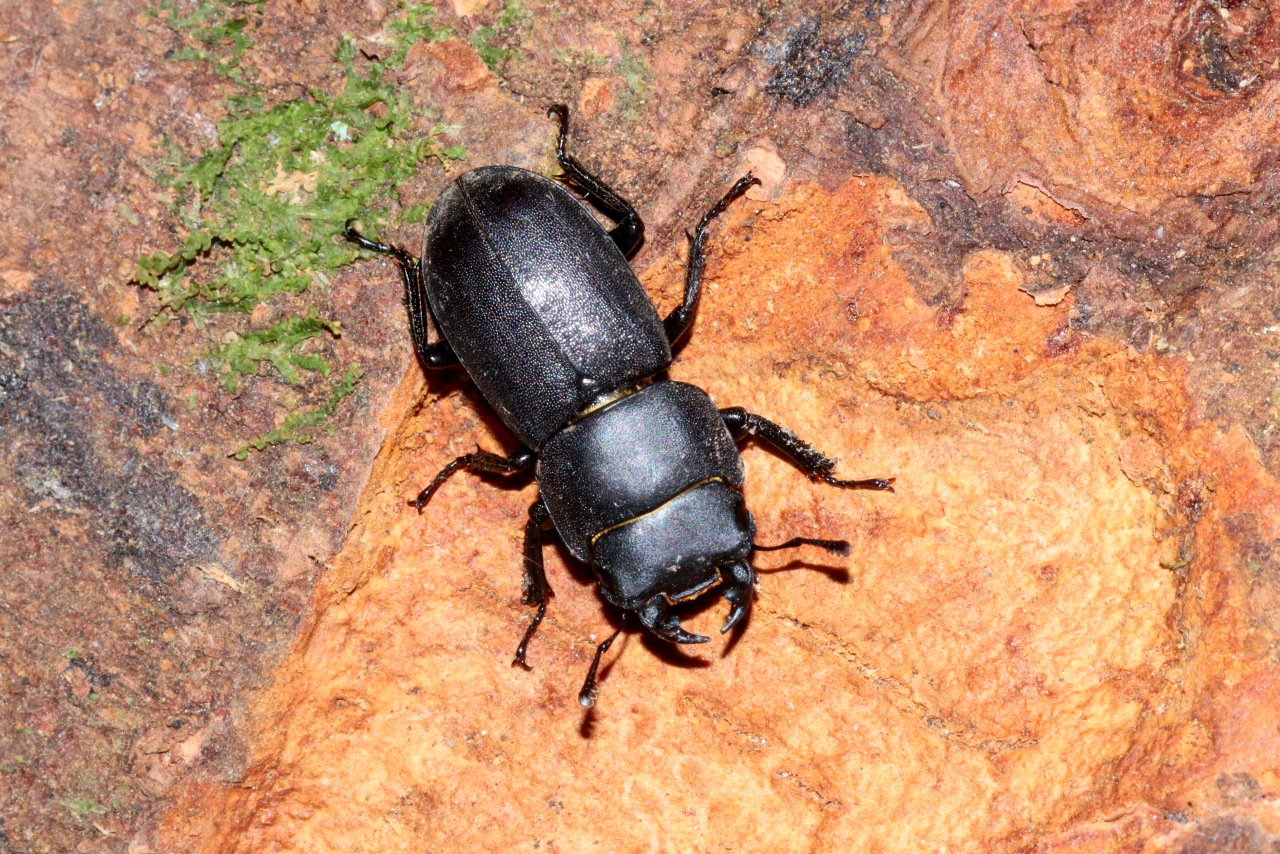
(836, 547)
(587, 696)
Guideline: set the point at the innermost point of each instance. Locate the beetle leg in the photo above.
(436, 354)
(536, 589)
(678, 320)
(587, 696)
(657, 617)
(628, 234)
(483, 461)
(803, 456)
(739, 592)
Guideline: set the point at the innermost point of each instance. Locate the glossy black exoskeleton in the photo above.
(640, 475)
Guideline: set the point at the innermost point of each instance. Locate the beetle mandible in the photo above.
(640, 475)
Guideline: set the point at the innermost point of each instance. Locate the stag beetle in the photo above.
(640, 475)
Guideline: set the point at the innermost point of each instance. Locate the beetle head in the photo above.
(675, 553)
(658, 617)
(698, 540)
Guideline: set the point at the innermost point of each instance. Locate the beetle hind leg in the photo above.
(431, 354)
(677, 322)
(658, 618)
(628, 233)
(739, 592)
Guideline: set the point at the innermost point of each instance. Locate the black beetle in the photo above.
(640, 475)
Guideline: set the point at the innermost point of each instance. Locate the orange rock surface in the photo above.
(1051, 637)
(1132, 112)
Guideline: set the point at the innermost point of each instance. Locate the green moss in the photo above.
(301, 426)
(415, 213)
(266, 204)
(495, 43)
(82, 806)
(414, 26)
(580, 60)
(263, 209)
(637, 77)
(216, 29)
(277, 346)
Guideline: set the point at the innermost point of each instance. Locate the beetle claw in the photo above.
(739, 592)
(658, 618)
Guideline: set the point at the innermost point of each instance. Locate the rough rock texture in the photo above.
(1048, 627)
(1020, 256)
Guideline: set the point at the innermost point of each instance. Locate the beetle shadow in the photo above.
(587, 726)
(442, 383)
(580, 571)
(838, 574)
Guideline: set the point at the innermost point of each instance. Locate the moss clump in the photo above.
(263, 209)
(301, 426)
(494, 43)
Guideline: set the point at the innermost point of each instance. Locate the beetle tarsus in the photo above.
(528, 636)
(590, 688)
(353, 234)
(406, 261)
(883, 484)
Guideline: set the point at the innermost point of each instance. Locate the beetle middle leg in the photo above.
(436, 354)
(536, 588)
(522, 460)
(628, 234)
(800, 453)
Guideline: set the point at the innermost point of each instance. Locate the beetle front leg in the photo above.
(536, 588)
(587, 696)
(678, 320)
(801, 454)
(628, 234)
(431, 354)
(482, 461)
